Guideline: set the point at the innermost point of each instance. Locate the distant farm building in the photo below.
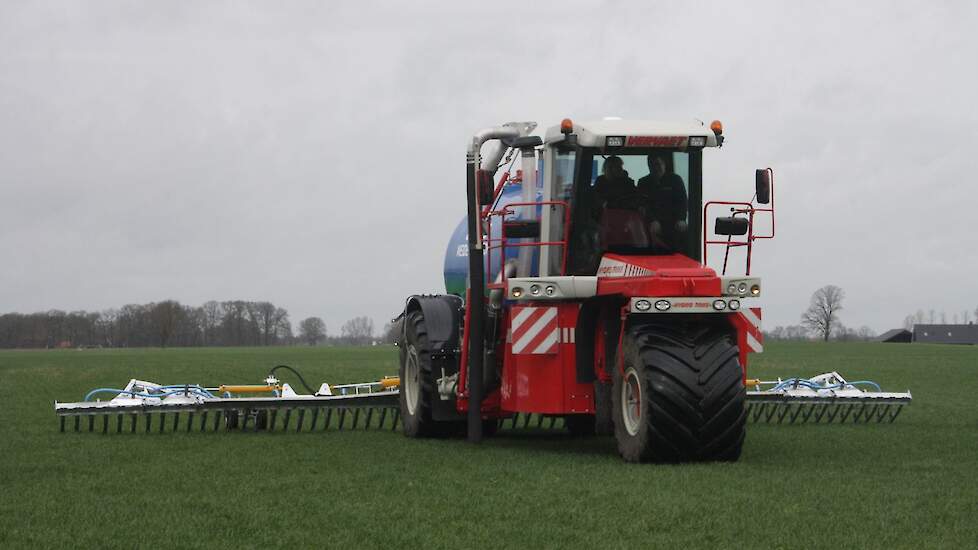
(946, 334)
(897, 335)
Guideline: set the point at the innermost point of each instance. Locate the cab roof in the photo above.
(594, 133)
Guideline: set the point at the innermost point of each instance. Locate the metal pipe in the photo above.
(528, 157)
(477, 277)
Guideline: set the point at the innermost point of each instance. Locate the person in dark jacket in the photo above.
(664, 195)
(613, 188)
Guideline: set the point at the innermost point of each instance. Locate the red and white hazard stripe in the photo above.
(753, 335)
(534, 330)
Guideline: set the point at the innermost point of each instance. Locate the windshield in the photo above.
(637, 202)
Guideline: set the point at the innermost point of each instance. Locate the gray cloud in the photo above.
(311, 154)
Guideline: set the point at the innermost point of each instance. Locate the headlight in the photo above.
(662, 305)
(734, 305)
(755, 290)
(742, 288)
(535, 290)
(719, 305)
(550, 290)
(731, 288)
(643, 305)
(517, 291)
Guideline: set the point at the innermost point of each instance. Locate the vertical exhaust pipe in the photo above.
(477, 276)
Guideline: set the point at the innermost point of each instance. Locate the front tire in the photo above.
(679, 395)
(417, 387)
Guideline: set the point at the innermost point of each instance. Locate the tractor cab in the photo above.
(631, 188)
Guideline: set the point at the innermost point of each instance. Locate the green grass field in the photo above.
(910, 484)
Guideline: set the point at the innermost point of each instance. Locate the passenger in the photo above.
(666, 204)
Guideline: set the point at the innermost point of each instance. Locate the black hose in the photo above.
(295, 372)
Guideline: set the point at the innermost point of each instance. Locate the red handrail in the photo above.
(748, 209)
(502, 242)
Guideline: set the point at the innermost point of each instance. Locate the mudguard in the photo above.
(587, 325)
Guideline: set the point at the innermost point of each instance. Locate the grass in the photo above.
(910, 484)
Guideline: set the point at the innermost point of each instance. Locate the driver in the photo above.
(614, 189)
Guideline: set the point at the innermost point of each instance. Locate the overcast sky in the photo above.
(311, 154)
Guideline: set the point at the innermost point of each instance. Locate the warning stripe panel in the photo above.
(534, 330)
(526, 321)
(754, 337)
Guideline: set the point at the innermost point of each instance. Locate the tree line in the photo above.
(821, 321)
(933, 318)
(172, 324)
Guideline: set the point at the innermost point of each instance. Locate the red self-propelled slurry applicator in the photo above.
(582, 293)
(578, 296)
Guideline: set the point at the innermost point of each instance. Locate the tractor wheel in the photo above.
(679, 395)
(418, 387)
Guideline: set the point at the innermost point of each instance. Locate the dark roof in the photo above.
(946, 334)
(895, 335)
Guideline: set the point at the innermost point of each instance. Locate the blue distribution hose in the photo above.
(189, 386)
(183, 390)
(814, 386)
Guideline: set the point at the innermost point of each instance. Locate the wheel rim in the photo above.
(412, 382)
(631, 402)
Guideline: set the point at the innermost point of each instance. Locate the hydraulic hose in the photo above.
(295, 372)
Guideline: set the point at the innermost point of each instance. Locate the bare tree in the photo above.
(106, 327)
(908, 322)
(795, 332)
(166, 314)
(270, 320)
(285, 330)
(359, 330)
(236, 323)
(822, 314)
(213, 315)
(389, 333)
(919, 317)
(312, 330)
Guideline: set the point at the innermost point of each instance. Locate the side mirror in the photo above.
(731, 226)
(762, 185)
(526, 229)
(485, 187)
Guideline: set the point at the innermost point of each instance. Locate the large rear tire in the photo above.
(419, 387)
(680, 395)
